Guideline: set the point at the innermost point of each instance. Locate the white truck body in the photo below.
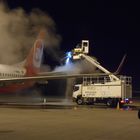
(102, 91)
(110, 89)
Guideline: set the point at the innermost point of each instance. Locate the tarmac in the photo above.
(69, 123)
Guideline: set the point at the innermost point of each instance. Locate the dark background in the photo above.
(112, 27)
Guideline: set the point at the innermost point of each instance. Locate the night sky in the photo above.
(112, 27)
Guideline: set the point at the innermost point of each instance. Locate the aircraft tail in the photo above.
(34, 59)
(120, 65)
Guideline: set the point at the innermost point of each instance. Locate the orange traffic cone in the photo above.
(118, 106)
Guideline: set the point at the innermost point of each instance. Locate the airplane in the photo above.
(21, 76)
(15, 78)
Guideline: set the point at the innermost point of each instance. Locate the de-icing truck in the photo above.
(105, 87)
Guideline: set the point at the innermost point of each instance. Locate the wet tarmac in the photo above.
(63, 119)
(75, 123)
(57, 103)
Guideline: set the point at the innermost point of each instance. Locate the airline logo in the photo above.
(38, 51)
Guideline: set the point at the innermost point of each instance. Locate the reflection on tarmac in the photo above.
(60, 105)
(36, 102)
(53, 103)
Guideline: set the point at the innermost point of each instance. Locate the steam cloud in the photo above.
(18, 31)
(81, 66)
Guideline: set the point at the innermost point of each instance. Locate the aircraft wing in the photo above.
(50, 76)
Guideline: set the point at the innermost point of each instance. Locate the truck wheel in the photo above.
(109, 102)
(79, 101)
